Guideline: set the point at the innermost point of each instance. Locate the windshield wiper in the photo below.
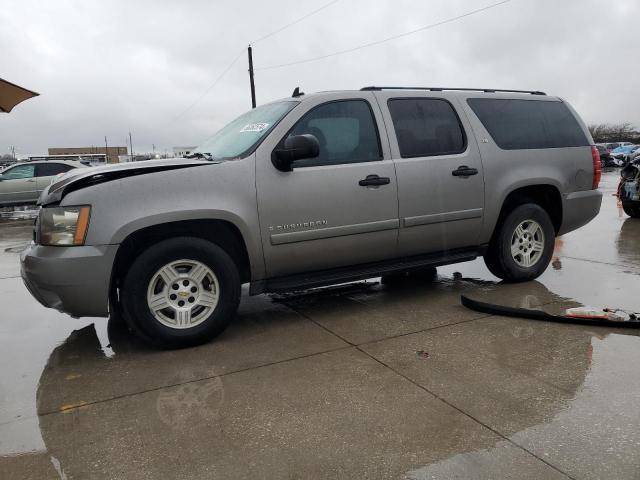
(205, 155)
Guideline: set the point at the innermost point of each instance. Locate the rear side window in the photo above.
(50, 169)
(346, 132)
(426, 127)
(528, 124)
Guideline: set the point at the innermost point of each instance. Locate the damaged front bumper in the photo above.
(73, 280)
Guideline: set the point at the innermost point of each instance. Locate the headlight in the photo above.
(64, 226)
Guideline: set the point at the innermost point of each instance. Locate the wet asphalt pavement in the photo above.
(362, 381)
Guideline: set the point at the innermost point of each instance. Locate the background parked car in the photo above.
(22, 183)
(605, 157)
(629, 189)
(624, 152)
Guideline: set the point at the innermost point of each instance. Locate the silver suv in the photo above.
(315, 190)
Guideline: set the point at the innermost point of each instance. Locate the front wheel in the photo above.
(522, 247)
(181, 292)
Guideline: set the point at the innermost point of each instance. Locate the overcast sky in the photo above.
(110, 67)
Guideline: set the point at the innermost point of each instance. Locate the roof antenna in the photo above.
(297, 93)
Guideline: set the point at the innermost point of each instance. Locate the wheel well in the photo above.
(222, 233)
(547, 196)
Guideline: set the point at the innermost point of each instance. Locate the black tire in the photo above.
(491, 262)
(498, 257)
(136, 283)
(631, 209)
(421, 275)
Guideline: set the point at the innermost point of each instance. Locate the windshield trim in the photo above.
(249, 151)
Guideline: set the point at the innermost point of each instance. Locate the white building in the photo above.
(182, 151)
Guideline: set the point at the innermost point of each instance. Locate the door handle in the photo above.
(464, 171)
(31, 180)
(374, 180)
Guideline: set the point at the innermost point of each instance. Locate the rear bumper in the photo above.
(73, 280)
(579, 209)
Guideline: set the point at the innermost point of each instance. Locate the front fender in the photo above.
(254, 250)
(222, 192)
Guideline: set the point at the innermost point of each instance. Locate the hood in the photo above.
(85, 177)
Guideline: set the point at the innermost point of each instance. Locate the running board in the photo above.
(360, 272)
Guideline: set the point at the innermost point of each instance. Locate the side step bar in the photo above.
(360, 272)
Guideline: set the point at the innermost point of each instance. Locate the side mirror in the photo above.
(295, 147)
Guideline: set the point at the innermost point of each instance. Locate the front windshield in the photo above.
(243, 134)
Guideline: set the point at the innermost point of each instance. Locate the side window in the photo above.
(50, 169)
(426, 127)
(528, 124)
(346, 132)
(19, 172)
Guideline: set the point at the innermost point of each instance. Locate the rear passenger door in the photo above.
(439, 172)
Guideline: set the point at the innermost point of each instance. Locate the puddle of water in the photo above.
(609, 277)
(597, 435)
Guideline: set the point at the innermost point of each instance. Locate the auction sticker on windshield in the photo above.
(254, 127)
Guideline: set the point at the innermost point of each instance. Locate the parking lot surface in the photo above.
(358, 381)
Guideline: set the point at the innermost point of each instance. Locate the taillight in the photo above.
(597, 167)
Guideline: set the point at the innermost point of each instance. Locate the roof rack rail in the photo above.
(440, 89)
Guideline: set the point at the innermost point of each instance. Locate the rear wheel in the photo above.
(181, 292)
(632, 209)
(523, 244)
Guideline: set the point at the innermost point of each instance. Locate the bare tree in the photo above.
(619, 132)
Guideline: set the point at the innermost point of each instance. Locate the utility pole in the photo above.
(106, 150)
(253, 87)
(131, 146)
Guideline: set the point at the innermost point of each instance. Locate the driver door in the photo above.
(18, 185)
(325, 213)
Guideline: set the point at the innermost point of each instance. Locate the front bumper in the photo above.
(73, 280)
(579, 209)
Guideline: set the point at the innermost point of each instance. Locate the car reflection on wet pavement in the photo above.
(358, 381)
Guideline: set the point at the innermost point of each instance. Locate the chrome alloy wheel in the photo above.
(182, 294)
(527, 243)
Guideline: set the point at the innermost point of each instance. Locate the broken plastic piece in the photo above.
(632, 322)
(587, 312)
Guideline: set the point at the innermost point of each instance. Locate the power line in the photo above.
(388, 39)
(295, 21)
(226, 70)
(213, 84)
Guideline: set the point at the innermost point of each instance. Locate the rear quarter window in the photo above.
(527, 124)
